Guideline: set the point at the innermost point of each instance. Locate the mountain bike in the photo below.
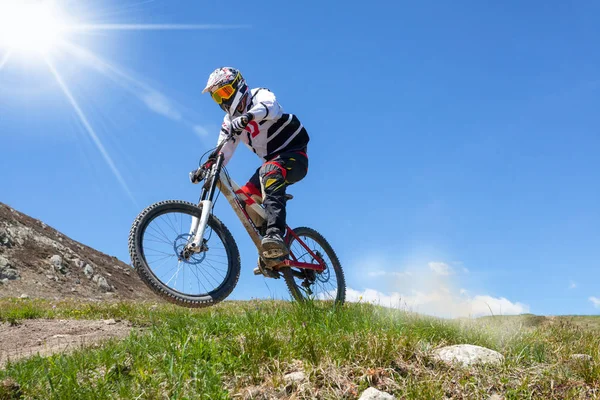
(186, 255)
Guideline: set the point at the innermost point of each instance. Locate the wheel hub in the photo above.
(187, 251)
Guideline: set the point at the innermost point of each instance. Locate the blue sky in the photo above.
(454, 146)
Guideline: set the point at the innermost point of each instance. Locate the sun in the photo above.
(30, 26)
(40, 28)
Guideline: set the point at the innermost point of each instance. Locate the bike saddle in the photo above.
(289, 197)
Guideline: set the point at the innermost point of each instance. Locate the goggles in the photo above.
(225, 92)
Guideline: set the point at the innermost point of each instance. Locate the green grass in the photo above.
(244, 349)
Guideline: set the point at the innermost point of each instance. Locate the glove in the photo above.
(197, 175)
(239, 123)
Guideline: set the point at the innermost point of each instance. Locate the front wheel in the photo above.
(328, 285)
(156, 243)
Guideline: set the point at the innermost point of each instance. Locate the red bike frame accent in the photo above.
(295, 263)
(320, 267)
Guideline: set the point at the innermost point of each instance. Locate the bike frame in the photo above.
(217, 180)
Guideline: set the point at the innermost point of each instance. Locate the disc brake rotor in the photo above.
(188, 257)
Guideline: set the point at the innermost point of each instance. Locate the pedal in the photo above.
(265, 269)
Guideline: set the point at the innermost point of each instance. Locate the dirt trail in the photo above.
(45, 337)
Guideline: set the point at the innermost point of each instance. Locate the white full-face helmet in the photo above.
(228, 89)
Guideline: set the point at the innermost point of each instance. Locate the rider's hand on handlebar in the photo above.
(197, 175)
(239, 123)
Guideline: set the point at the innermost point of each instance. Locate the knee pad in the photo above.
(272, 176)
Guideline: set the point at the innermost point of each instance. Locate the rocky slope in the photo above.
(38, 261)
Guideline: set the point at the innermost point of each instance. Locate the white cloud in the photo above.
(595, 301)
(572, 285)
(442, 302)
(160, 104)
(483, 305)
(432, 288)
(201, 131)
(441, 268)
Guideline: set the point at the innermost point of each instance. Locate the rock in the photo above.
(374, 394)
(110, 321)
(103, 284)
(95, 278)
(295, 377)
(7, 271)
(77, 281)
(24, 296)
(5, 240)
(56, 260)
(57, 263)
(5, 280)
(495, 396)
(581, 357)
(78, 263)
(467, 354)
(88, 271)
(9, 274)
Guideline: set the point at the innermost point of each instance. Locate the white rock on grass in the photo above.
(581, 357)
(295, 377)
(374, 394)
(468, 354)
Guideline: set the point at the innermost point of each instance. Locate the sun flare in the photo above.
(30, 26)
(45, 30)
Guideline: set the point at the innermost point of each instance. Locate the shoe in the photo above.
(273, 246)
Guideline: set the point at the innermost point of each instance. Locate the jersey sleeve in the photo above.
(230, 146)
(265, 105)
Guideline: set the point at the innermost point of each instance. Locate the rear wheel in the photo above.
(329, 285)
(156, 243)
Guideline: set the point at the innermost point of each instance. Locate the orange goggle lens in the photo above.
(223, 93)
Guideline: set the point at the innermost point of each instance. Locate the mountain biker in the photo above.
(277, 138)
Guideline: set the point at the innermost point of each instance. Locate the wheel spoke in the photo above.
(165, 238)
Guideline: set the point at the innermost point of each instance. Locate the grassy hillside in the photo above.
(245, 349)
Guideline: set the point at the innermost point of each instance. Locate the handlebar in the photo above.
(217, 150)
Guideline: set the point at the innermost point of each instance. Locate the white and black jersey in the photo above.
(270, 132)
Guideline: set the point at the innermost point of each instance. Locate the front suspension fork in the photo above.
(206, 203)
